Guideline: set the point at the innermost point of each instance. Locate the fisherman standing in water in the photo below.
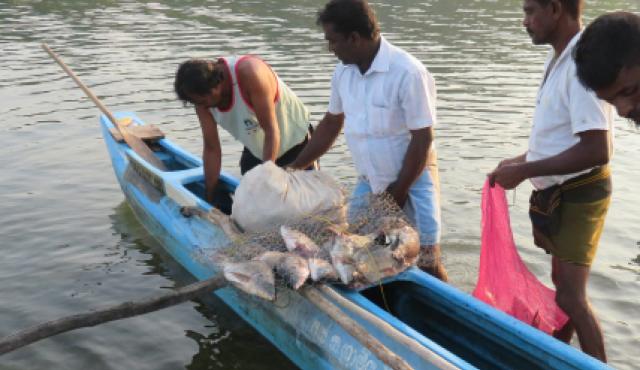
(569, 148)
(245, 97)
(386, 101)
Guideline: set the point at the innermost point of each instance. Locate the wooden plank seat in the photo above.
(148, 133)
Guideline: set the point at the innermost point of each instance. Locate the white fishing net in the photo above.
(372, 209)
(377, 242)
(374, 242)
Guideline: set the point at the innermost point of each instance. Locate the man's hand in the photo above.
(399, 195)
(508, 175)
(506, 162)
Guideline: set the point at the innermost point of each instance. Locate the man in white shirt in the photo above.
(569, 149)
(608, 61)
(385, 99)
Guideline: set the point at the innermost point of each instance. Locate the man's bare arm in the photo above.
(413, 164)
(211, 151)
(592, 150)
(321, 141)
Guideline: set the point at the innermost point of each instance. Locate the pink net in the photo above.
(504, 280)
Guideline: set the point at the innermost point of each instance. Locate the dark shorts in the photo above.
(248, 160)
(568, 219)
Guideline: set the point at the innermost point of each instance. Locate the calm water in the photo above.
(70, 243)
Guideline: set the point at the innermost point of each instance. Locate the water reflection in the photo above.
(223, 342)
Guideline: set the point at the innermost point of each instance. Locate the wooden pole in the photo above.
(378, 349)
(186, 293)
(424, 353)
(137, 144)
(121, 311)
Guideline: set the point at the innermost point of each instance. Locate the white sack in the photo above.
(268, 196)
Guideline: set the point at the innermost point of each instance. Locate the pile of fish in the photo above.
(351, 259)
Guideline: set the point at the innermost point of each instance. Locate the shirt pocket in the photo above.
(379, 120)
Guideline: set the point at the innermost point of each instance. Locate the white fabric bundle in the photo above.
(268, 196)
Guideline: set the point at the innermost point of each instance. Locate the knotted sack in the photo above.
(269, 196)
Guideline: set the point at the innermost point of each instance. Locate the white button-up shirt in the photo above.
(564, 108)
(397, 94)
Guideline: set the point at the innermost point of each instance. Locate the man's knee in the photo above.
(571, 302)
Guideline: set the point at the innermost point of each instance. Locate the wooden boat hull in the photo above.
(457, 329)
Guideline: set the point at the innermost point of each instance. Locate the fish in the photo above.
(298, 242)
(350, 240)
(343, 247)
(399, 236)
(321, 269)
(342, 259)
(345, 269)
(389, 248)
(405, 243)
(252, 277)
(271, 258)
(292, 268)
(376, 263)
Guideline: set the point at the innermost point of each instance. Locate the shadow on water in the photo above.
(633, 265)
(223, 342)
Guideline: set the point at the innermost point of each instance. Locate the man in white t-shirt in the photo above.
(385, 99)
(569, 148)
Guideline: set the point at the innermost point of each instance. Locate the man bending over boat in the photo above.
(385, 99)
(608, 61)
(569, 149)
(245, 97)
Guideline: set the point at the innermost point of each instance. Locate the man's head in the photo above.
(348, 25)
(608, 61)
(542, 17)
(198, 82)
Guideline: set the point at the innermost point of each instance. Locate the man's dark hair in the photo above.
(195, 77)
(573, 7)
(609, 44)
(349, 16)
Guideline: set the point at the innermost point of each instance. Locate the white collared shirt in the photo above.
(564, 108)
(397, 94)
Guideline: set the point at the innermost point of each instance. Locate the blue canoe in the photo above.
(455, 328)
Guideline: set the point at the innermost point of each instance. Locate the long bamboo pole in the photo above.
(424, 353)
(186, 293)
(137, 144)
(352, 327)
(121, 311)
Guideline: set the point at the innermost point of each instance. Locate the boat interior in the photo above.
(416, 306)
(175, 162)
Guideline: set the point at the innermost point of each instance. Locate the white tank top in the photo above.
(241, 122)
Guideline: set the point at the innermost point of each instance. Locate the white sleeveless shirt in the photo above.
(241, 122)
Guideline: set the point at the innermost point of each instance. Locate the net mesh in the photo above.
(365, 215)
(366, 223)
